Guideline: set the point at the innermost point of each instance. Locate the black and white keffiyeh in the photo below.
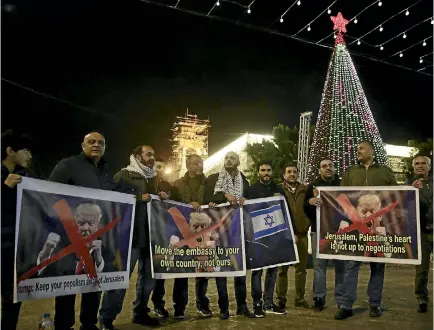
(227, 185)
(139, 168)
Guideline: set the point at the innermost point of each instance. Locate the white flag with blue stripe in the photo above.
(268, 221)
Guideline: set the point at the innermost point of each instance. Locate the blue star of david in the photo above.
(269, 221)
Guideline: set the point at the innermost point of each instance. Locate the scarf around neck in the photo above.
(139, 168)
(227, 185)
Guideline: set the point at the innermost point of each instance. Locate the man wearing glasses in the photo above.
(327, 177)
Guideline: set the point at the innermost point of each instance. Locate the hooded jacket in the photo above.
(310, 210)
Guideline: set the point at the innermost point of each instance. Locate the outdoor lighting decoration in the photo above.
(424, 43)
(218, 3)
(404, 35)
(421, 60)
(380, 3)
(381, 47)
(381, 28)
(401, 54)
(168, 170)
(407, 13)
(308, 28)
(355, 20)
(344, 117)
(358, 42)
(248, 10)
(281, 20)
(298, 3)
(329, 11)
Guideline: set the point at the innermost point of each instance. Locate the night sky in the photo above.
(139, 66)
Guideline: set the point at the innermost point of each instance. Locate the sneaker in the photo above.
(204, 311)
(375, 311)
(224, 315)
(319, 305)
(303, 304)
(281, 306)
(343, 313)
(179, 315)
(244, 311)
(423, 308)
(161, 312)
(258, 311)
(273, 309)
(146, 320)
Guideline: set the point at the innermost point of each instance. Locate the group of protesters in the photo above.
(144, 176)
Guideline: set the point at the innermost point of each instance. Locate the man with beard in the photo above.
(141, 177)
(265, 187)
(188, 189)
(230, 185)
(16, 157)
(366, 173)
(159, 290)
(424, 182)
(89, 169)
(295, 194)
(327, 178)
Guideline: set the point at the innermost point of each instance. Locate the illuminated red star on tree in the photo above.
(339, 21)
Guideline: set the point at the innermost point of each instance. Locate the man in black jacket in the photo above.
(230, 185)
(89, 169)
(15, 158)
(265, 187)
(424, 182)
(327, 177)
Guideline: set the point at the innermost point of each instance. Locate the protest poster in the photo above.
(269, 237)
(187, 243)
(71, 240)
(369, 224)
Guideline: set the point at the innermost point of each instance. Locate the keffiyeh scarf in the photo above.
(139, 168)
(227, 185)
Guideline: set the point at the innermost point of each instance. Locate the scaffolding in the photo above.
(189, 136)
(303, 146)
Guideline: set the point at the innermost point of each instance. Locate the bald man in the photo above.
(90, 170)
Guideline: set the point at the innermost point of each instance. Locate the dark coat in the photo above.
(181, 191)
(260, 190)
(375, 175)
(425, 204)
(220, 198)
(81, 171)
(310, 210)
(9, 207)
(138, 185)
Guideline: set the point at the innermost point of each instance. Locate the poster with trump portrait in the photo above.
(71, 240)
(369, 224)
(188, 243)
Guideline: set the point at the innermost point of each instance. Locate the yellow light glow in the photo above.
(398, 151)
(236, 146)
(168, 170)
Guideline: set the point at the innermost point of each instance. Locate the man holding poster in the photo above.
(367, 173)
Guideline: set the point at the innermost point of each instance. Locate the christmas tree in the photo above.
(344, 117)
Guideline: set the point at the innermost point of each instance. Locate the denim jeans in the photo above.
(349, 286)
(202, 300)
(112, 300)
(320, 271)
(270, 281)
(240, 291)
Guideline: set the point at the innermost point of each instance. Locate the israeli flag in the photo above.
(268, 221)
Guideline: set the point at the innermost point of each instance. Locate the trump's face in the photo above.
(199, 222)
(88, 221)
(368, 205)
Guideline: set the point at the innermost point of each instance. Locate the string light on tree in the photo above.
(381, 28)
(281, 20)
(407, 13)
(344, 117)
(401, 54)
(248, 10)
(421, 60)
(308, 28)
(424, 43)
(218, 3)
(329, 11)
(358, 42)
(355, 21)
(380, 3)
(381, 47)
(404, 35)
(298, 3)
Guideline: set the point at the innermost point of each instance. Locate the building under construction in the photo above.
(190, 136)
